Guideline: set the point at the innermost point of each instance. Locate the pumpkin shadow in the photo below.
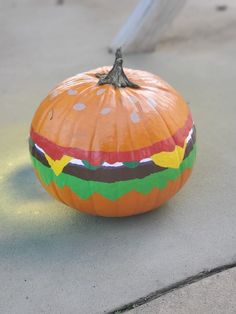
(67, 232)
(22, 184)
(78, 234)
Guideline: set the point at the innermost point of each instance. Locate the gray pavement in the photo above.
(55, 260)
(212, 295)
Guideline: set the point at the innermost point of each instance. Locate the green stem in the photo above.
(116, 76)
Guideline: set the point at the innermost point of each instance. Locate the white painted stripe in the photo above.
(76, 162)
(39, 148)
(145, 160)
(116, 164)
(189, 135)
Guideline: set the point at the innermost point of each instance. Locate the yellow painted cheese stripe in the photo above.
(170, 159)
(58, 165)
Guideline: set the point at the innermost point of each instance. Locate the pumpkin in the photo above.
(113, 141)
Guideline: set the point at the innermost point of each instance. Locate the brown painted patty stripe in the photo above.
(111, 174)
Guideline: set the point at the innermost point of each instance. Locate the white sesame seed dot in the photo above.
(134, 117)
(71, 92)
(87, 78)
(79, 106)
(133, 99)
(100, 91)
(105, 111)
(152, 102)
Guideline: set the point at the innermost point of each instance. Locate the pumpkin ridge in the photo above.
(165, 124)
(139, 107)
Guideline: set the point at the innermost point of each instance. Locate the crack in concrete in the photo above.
(179, 284)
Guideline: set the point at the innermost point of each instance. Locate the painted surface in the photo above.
(155, 162)
(117, 189)
(129, 204)
(99, 156)
(107, 172)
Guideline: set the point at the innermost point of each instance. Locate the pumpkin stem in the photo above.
(116, 76)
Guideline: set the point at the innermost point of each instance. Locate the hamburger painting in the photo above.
(112, 141)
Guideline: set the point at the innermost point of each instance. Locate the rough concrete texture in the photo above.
(55, 260)
(212, 295)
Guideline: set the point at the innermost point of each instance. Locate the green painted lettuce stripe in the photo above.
(113, 191)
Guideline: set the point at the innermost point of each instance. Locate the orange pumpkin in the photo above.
(113, 142)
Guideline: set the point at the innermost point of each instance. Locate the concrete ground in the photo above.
(213, 295)
(55, 260)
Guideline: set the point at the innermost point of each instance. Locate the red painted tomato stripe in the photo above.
(97, 157)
